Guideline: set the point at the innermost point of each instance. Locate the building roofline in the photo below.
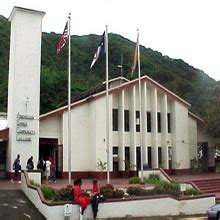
(117, 78)
(24, 9)
(128, 84)
(196, 117)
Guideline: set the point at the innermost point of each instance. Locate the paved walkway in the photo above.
(116, 182)
(15, 205)
(123, 182)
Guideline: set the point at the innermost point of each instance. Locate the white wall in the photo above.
(24, 83)
(192, 138)
(80, 139)
(180, 139)
(51, 128)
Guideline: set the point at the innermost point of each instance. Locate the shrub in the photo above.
(136, 191)
(64, 194)
(48, 192)
(108, 191)
(153, 178)
(134, 180)
(192, 191)
(118, 193)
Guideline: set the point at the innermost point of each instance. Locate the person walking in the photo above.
(52, 170)
(47, 171)
(16, 168)
(30, 164)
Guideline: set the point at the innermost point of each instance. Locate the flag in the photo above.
(100, 50)
(135, 58)
(63, 39)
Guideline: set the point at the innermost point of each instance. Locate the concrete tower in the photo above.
(24, 85)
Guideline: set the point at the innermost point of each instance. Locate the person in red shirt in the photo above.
(79, 196)
(96, 197)
(95, 188)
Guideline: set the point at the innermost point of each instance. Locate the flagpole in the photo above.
(140, 104)
(69, 102)
(107, 106)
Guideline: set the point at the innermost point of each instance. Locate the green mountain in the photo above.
(189, 83)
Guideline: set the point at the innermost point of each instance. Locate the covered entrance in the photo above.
(3, 146)
(48, 147)
(3, 151)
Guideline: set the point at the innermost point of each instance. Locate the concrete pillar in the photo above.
(121, 130)
(154, 128)
(164, 131)
(24, 85)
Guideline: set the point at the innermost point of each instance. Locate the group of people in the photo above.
(48, 168)
(84, 199)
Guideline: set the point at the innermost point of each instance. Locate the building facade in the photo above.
(162, 131)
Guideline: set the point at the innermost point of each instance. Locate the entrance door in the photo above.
(204, 156)
(3, 159)
(48, 147)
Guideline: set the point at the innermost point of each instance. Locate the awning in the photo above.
(4, 134)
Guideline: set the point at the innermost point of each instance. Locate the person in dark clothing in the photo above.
(16, 168)
(30, 164)
(96, 197)
(41, 165)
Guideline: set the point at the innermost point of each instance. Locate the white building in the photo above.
(170, 133)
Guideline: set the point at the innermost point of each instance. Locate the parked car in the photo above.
(214, 212)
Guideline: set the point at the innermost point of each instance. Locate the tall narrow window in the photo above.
(168, 123)
(115, 119)
(126, 120)
(159, 122)
(137, 121)
(159, 156)
(115, 158)
(148, 121)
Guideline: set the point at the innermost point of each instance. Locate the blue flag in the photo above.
(100, 50)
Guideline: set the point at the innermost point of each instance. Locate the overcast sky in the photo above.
(182, 29)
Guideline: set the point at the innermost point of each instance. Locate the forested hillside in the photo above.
(189, 83)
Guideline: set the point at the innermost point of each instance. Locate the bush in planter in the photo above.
(192, 191)
(153, 178)
(48, 192)
(64, 194)
(118, 193)
(134, 180)
(136, 191)
(108, 191)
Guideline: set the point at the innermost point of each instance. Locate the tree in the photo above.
(213, 114)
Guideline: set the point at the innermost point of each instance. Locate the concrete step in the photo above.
(211, 190)
(208, 187)
(206, 181)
